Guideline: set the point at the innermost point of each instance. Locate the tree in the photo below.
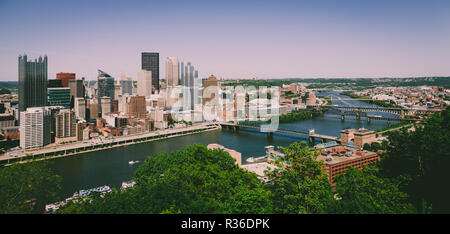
(25, 186)
(194, 180)
(300, 185)
(363, 192)
(418, 162)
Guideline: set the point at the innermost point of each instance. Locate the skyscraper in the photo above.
(77, 90)
(65, 126)
(144, 83)
(35, 127)
(32, 82)
(150, 62)
(105, 88)
(189, 85)
(59, 97)
(172, 71)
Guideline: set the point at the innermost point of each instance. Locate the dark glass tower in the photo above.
(105, 87)
(150, 62)
(32, 82)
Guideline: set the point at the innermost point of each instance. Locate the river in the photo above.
(110, 167)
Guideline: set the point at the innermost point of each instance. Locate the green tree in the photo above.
(363, 192)
(300, 185)
(24, 185)
(418, 162)
(194, 180)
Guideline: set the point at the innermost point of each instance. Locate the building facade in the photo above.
(35, 127)
(59, 97)
(105, 88)
(150, 62)
(144, 83)
(172, 71)
(66, 128)
(32, 82)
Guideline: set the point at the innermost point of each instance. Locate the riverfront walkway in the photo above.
(55, 151)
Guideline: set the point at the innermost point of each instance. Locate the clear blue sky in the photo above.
(232, 39)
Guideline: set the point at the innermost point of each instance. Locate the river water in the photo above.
(110, 167)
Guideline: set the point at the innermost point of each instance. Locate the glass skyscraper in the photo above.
(32, 82)
(150, 62)
(105, 87)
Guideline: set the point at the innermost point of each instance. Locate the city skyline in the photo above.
(233, 39)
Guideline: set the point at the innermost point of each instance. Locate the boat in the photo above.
(127, 184)
(132, 162)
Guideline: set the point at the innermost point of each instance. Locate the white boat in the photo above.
(132, 162)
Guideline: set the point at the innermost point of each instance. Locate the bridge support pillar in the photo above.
(389, 122)
(358, 115)
(342, 117)
(270, 134)
(323, 141)
(236, 128)
(368, 120)
(311, 140)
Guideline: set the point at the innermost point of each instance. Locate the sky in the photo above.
(231, 39)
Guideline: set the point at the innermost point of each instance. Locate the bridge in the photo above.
(311, 135)
(359, 111)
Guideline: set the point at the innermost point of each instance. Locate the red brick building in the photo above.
(339, 158)
(65, 77)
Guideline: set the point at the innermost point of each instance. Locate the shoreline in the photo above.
(80, 148)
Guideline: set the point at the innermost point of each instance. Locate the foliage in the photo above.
(363, 192)
(419, 160)
(194, 180)
(22, 186)
(299, 185)
(297, 115)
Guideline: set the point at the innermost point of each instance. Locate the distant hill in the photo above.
(9, 84)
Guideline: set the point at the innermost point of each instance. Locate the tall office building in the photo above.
(77, 90)
(80, 108)
(150, 62)
(126, 83)
(172, 75)
(144, 83)
(136, 107)
(105, 88)
(65, 126)
(65, 78)
(35, 127)
(188, 81)
(59, 97)
(32, 82)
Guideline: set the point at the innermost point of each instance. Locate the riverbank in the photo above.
(51, 152)
(376, 102)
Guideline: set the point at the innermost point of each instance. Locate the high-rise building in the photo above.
(188, 81)
(106, 106)
(77, 90)
(35, 127)
(150, 62)
(59, 97)
(80, 108)
(137, 107)
(126, 83)
(65, 126)
(144, 83)
(65, 78)
(172, 70)
(32, 82)
(105, 88)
